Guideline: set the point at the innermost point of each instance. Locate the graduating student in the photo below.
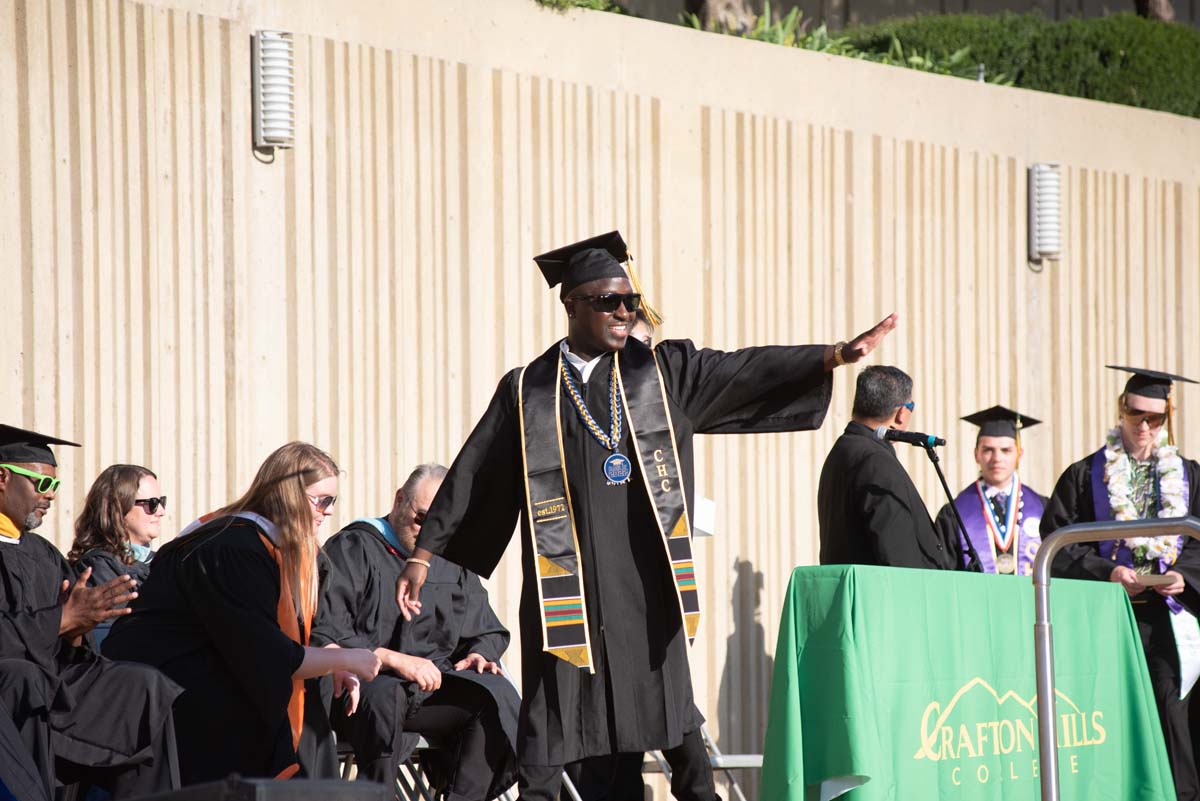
(226, 613)
(441, 676)
(1140, 474)
(85, 719)
(868, 508)
(591, 445)
(1001, 513)
(121, 518)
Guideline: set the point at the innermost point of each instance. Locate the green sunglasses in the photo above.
(41, 483)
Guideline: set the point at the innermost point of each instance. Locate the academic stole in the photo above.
(551, 513)
(289, 623)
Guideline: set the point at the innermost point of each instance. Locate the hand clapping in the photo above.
(86, 607)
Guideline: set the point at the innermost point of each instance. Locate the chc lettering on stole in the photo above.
(660, 465)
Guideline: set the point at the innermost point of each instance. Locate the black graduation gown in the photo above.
(105, 567)
(358, 610)
(640, 697)
(1072, 502)
(25, 762)
(946, 524)
(207, 617)
(870, 512)
(101, 714)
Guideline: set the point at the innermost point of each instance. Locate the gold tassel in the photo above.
(652, 316)
(1170, 417)
(1018, 427)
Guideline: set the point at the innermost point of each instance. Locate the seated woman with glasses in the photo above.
(121, 518)
(226, 614)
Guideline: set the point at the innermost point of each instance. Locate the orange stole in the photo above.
(289, 624)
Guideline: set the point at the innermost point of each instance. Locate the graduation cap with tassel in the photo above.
(604, 256)
(1156, 385)
(1000, 421)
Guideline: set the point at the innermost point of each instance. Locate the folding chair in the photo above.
(411, 784)
(726, 763)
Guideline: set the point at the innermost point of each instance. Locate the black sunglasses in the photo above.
(151, 504)
(608, 303)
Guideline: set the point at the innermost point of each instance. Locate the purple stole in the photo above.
(1104, 512)
(975, 520)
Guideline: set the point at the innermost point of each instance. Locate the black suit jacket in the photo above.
(870, 511)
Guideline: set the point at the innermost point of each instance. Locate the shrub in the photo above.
(1122, 58)
(594, 5)
(791, 31)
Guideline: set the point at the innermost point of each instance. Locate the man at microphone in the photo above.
(869, 510)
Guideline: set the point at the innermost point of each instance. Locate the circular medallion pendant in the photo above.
(617, 469)
(1006, 563)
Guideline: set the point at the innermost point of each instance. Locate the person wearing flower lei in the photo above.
(1140, 474)
(1000, 512)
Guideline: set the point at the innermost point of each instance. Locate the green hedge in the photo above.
(594, 5)
(1120, 59)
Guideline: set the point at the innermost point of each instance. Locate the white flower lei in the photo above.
(1118, 477)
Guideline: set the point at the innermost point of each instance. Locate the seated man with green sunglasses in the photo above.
(84, 719)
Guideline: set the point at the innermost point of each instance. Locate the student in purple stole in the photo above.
(1139, 474)
(1002, 515)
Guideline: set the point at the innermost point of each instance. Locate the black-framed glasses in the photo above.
(419, 515)
(151, 504)
(322, 502)
(42, 483)
(608, 302)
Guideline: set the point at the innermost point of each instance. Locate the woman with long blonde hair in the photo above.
(226, 613)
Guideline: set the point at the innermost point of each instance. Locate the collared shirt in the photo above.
(584, 368)
(991, 492)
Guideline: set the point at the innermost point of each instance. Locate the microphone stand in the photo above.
(973, 563)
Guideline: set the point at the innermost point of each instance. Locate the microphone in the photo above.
(911, 437)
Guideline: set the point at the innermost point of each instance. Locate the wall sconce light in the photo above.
(1045, 212)
(273, 83)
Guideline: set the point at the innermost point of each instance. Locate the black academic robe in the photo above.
(870, 512)
(27, 766)
(105, 567)
(358, 609)
(1072, 502)
(640, 696)
(101, 714)
(207, 617)
(946, 525)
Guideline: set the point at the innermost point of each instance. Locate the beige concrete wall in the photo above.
(173, 300)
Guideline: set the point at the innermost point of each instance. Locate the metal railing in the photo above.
(1042, 639)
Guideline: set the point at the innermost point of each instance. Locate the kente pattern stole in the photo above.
(551, 513)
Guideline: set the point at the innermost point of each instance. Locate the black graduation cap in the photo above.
(29, 447)
(589, 260)
(1000, 421)
(1149, 383)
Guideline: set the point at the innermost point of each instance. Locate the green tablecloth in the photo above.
(921, 684)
